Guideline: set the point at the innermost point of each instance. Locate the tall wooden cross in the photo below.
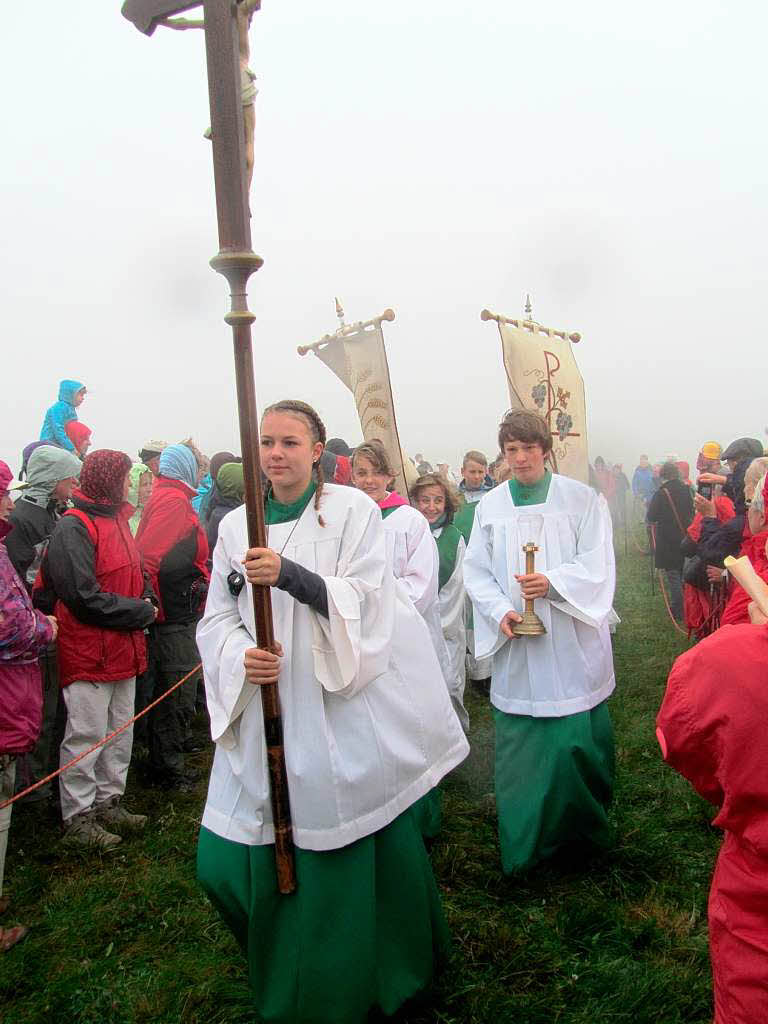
(237, 261)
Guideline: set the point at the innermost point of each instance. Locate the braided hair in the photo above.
(305, 412)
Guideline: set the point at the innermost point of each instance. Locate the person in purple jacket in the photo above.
(24, 635)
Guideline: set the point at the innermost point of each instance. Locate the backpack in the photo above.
(43, 594)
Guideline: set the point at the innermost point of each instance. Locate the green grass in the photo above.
(128, 938)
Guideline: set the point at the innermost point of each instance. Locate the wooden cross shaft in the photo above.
(236, 262)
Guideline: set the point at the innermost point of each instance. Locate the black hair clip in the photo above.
(235, 582)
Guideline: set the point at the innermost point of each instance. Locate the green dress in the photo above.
(361, 931)
(553, 777)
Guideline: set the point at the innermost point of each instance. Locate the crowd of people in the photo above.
(123, 581)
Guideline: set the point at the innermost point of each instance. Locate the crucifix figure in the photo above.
(244, 10)
(224, 25)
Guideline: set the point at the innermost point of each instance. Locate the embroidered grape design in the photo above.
(564, 423)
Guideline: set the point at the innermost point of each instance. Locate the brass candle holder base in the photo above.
(531, 624)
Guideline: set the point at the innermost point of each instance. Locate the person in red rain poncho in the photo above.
(711, 729)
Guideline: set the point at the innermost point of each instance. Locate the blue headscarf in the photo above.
(179, 463)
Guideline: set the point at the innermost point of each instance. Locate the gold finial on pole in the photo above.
(340, 314)
(531, 624)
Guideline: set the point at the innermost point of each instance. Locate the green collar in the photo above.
(530, 494)
(277, 512)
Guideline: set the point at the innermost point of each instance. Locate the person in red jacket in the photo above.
(103, 605)
(175, 552)
(711, 729)
(80, 436)
(24, 635)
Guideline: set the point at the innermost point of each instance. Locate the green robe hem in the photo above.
(554, 784)
(361, 931)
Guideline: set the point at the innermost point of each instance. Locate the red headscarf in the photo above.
(77, 432)
(102, 479)
(6, 476)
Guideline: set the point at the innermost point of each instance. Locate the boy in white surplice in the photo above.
(554, 740)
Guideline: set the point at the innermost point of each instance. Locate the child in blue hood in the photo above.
(71, 394)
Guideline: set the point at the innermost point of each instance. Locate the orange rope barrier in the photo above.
(675, 623)
(101, 743)
(663, 589)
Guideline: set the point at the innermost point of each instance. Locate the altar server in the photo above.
(554, 740)
(368, 730)
(413, 552)
(438, 501)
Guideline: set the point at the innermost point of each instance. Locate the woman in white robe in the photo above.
(438, 501)
(368, 730)
(554, 741)
(410, 546)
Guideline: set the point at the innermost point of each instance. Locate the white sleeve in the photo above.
(452, 604)
(422, 569)
(490, 603)
(587, 584)
(222, 640)
(351, 647)
(453, 619)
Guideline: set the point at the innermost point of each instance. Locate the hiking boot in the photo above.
(84, 830)
(115, 816)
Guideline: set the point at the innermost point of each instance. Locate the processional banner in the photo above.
(542, 374)
(357, 356)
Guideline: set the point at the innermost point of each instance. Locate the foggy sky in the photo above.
(436, 157)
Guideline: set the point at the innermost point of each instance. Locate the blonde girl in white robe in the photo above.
(368, 730)
(438, 502)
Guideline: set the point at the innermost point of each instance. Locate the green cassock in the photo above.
(362, 930)
(553, 776)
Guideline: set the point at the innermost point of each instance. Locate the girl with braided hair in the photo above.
(368, 731)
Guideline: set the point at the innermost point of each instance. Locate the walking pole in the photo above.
(652, 546)
(236, 261)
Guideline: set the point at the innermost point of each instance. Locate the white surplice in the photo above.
(452, 600)
(570, 669)
(416, 563)
(368, 725)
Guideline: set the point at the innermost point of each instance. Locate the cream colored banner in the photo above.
(359, 360)
(542, 374)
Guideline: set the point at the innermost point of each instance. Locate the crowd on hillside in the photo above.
(121, 578)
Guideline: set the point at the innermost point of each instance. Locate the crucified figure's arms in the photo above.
(246, 6)
(181, 23)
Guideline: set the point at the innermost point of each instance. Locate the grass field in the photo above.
(128, 938)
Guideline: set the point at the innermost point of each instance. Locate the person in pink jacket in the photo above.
(24, 634)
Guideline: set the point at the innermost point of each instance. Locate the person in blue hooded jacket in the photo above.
(71, 395)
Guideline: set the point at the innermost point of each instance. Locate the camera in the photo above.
(705, 490)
